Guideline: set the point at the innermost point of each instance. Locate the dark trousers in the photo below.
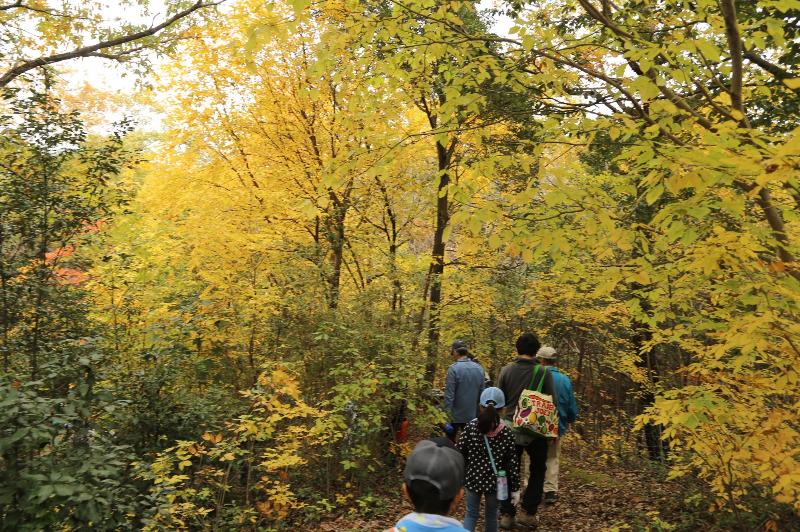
(537, 452)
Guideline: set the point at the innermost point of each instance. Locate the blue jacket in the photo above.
(462, 390)
(565, 400)
(415, 522)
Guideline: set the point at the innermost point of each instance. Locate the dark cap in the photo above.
(442, 466)
(460, 346)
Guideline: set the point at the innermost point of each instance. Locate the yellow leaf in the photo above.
(213, 438)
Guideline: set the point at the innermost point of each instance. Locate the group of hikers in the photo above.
(491, 428)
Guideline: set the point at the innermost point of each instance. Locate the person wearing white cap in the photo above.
(567, 413)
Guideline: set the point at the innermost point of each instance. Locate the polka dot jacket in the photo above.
(480, 477)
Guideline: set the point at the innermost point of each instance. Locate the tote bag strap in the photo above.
(541, 382)
(533, 378)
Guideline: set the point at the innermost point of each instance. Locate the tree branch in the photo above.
(50, 12)
(93, 49)
(735, 47)
(778, 72)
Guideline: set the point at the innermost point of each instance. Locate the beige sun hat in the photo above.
(547, 352)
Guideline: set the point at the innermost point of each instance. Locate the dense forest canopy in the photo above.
(218, 324)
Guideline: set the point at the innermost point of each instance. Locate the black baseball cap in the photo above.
(440, 464)
(460, 345)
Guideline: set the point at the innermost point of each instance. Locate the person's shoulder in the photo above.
(405, 523)
(508, 367)
(515, 366)
(506, 432)
(471, 427)
(505, 371)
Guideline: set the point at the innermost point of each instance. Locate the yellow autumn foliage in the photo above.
(276, 441)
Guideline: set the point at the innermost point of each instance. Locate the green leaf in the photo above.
(64, 490)
(6, 443)
(646, 88)
(44, 492)
(708, 49)
(654, 193)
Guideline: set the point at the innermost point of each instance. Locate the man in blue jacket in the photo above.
(567, 413)
(463, 387)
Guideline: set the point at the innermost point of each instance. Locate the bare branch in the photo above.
(15, 5)
(778, 72)
(607, 22)
(50, 12)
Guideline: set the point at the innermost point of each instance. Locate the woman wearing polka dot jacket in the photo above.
(479, 436)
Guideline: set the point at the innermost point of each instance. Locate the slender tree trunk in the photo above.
(251, 349)
(6, 320)
(652, 433)
(421, 316)
(114, 321)
(392, 235)
(336, 238)
(251, 343)
(41, 277)
(397, 302)
(493, 355)
(334, 226)
(6, 315)
(580, 382)
(437, 260)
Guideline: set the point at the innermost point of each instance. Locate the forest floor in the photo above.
(593, 496)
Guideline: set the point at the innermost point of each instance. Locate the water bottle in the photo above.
(502, 486)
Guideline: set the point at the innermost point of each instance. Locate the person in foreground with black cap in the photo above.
(463, 387)
(434, 483)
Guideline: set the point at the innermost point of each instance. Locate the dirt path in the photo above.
(602, 499)
(592, 497)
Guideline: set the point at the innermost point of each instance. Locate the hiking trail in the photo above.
(592, 496)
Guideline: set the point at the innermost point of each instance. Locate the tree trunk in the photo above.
(335, 235)
(392, 233)
(6, 315)
(437, 261)
(41, 277)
